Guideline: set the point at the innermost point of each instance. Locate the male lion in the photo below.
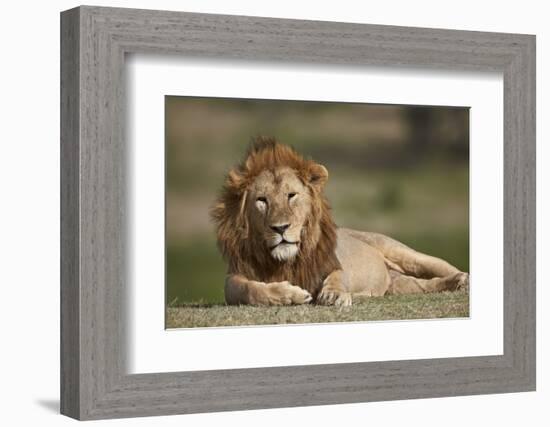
(275, 230)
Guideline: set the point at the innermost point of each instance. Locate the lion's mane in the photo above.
(244, 249)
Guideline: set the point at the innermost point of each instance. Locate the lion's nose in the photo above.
(280, 228)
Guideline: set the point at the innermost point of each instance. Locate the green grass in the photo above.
(421, 306)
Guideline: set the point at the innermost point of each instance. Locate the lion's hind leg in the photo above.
(401, 258)
(402, 284)
(417, 264)
(425, 266)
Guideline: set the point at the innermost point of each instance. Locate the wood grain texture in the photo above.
(70, 220)
(94, 238)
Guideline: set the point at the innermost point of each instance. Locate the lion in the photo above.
(275, 230)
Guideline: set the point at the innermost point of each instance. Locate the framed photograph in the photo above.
(261, 213)
(381, 158)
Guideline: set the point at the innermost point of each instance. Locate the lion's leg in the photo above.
(421, 265)
(333, 291)
(406, 260)
(240, 290)
(404, 284)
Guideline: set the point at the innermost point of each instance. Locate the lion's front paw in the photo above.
(284, 293)
(462, 281)
(336, 297)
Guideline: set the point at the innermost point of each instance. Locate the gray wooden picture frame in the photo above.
(94, 381)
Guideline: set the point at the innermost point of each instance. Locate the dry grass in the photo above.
(424, 306)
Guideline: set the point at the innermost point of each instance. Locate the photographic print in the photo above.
(359, 209)
(296, 212)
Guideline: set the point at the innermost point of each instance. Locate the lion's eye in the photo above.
(291, 195)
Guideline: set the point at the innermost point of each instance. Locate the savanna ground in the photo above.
(391, 307)
(401, 171)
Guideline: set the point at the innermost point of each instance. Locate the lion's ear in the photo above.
(318, 175)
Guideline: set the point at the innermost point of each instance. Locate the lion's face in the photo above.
(279, 205)
(272, 219)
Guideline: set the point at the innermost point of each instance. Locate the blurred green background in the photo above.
(393, 169)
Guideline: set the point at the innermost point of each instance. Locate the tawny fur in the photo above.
(331, 263)
(242, 248)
